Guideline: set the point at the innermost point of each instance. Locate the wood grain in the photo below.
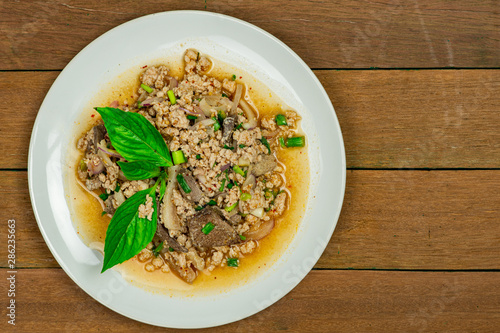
(326, 34)
(427, 220)
(325, 301)
(389, 119)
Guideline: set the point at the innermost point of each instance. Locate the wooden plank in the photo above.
(427, 220)
(389, 119)
(417, 119)
(325, 301)
(18, 115)
(326, 34)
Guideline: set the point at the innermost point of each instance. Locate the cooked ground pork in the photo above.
(235, 184)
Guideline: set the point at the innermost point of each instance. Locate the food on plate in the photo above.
(188, 173)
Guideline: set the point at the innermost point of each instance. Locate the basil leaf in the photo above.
(139, 170)
(128, 234)
(133, 136)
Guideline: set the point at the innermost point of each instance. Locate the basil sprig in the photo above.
(138, 170)
(140, 143)
(127, 233)
(133, 136)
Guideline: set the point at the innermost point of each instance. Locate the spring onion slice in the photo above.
(298, 141)
(212, 203)
(147, 88)
(281, 120)
(266, 143)
(190, 117)
(243, 237)
(182, 183)
(158, 249)
(178, 157)
(232, 262)
(238, 170)
(282, 142)
(104, 196)
(233, 206)
(216, 124)
(198, 157)
(245, 196)
(171, 96)
(207, 228)
(222, 185)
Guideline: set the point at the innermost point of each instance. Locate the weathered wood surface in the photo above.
(326, 34)
(325, 301)
(390, 220)
(389, 119)
(443, 221)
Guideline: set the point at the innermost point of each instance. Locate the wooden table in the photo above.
(416, 87)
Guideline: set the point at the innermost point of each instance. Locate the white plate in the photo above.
(235, 42)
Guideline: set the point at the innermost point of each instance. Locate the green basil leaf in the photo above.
(139, 170)
(133, 136)
(128, 234)
(163, 187)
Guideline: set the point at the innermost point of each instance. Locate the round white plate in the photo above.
(237, 43)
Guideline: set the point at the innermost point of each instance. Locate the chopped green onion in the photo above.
(230, 185)
(238, 170)
(171, 249)
(224, 95)
(178, 157)
(242, 146)
(227, 147)
(147, 88)
(245, 196)
(268, 194)
(222, 185)
(83, 166)
(139, 105)
(157, 250)
(190, 117)
(216, 124)
(182, 183)
(232, 262)
(212, 203)
(103, 213)
(230, 208)
(222, 115)
(171, 96)
(281, 120)
(298, 141)
(233, 77)
(198, 157)
(266, 143)
(243, 237)
(282, 142)
(197, 208)
(117, 187)
(207, 228)
(239, 126)
(104, 196)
